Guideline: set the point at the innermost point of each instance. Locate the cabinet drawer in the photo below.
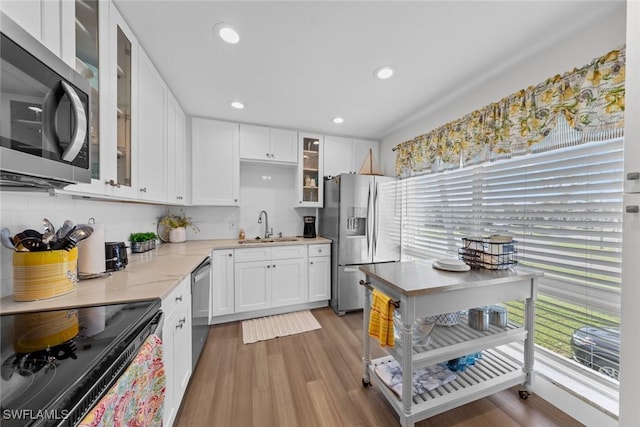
(286, 252)
(322, 249)
(252, 254)
(180, 295)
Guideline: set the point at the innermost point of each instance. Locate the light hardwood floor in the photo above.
(314, 379)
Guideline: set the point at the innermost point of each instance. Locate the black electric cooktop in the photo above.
(51, 359)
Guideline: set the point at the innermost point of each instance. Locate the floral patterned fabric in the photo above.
(590, 99)
(137, 397)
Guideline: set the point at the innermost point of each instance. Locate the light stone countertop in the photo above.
(413, 278)
(149, 275)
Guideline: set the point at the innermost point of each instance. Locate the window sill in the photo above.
(590, 387)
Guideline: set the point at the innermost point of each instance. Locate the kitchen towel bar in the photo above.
(367, 285)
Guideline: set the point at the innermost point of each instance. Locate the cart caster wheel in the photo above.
(366, 383)
(524, 394)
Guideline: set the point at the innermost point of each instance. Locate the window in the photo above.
(564, 208)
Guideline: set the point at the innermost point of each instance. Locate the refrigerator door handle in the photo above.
(368, 224)
(375, 219)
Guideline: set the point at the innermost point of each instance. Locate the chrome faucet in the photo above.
(267, 233)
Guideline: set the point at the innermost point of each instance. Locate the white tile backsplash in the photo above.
(262, 187)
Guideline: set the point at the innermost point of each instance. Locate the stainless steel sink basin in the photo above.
(269, 240)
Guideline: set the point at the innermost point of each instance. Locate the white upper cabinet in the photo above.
(215, 163)
(176, 153)
(152, 141)
(254, 142)
(264, 144)
(346, 155)
(284, 146)
(50, 21)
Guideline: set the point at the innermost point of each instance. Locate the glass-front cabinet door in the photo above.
(87, 33)
(106, 53)
(310, 165)
(122, 112)
(90, 47)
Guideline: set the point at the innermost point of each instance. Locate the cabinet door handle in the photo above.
(268, 155)
(268, 266)
(182, 321)
(143, 190)
(310, 262)
(274, 266)
(632, 209)
(113, 183)
(179, 298)
(230, 255)
(633, 176)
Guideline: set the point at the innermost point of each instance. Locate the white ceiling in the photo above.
(301, 63)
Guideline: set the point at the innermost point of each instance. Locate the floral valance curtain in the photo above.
(590, 99)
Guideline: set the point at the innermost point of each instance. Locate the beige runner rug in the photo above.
(265, 328)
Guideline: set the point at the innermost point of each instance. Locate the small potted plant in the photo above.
(177, 225)
(142, 242)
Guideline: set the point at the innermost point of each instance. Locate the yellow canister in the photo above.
(44, 274)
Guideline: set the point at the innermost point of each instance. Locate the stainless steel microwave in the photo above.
(44, 115)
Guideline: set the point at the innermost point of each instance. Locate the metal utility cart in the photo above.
(420, 290)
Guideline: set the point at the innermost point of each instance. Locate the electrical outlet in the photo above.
(232, 225)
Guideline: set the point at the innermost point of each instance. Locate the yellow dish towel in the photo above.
(381, 319)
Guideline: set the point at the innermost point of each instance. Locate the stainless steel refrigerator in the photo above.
(361, 216)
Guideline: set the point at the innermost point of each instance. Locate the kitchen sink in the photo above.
(269, 240)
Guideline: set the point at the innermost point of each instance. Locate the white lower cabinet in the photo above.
(176, 338)
(288, 282)
(320, 272)
(222, 294)
(252, 285)
(268, 277)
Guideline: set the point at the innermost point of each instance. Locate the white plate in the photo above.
(450, 262)
(459, 268)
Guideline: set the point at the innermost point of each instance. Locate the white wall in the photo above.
(579, 48)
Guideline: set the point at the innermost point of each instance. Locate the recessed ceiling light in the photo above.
(384, 72)
(337, 120)
(237, 105)
(226, 32)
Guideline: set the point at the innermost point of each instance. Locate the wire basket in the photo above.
(488, 253)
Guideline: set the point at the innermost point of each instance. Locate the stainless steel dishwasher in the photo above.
(200, 302)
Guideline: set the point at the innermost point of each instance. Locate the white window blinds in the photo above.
(564, 207)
